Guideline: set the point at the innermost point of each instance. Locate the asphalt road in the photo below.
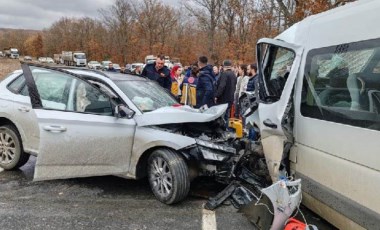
(104, 203)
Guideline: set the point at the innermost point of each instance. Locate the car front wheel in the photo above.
(12, 155)
(168, 176)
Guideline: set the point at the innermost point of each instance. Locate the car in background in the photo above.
(49, 60)
(42, 60)
(94, 65)
(116, 67)
(27, 58)
(105, 65)
(168, 64)
(88, 123)
(130, 68)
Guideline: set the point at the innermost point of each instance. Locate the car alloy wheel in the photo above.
(7, 148)
(12, 155)
(162, 177)
(168, 176)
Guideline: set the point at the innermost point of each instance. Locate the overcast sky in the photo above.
(40, 14)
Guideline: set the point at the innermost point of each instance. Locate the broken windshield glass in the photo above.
(146, 95)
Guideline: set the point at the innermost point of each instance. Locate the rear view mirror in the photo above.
(122, 111)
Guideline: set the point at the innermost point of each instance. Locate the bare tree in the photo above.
(156, 23)
(117, 19)
(208, 14)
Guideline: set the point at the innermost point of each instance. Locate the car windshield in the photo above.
(116, 66)
(146, 95)
(80, 56)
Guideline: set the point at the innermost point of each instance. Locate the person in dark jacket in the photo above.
(111, 68)
(225, 89)
(252, 73)
(193, 78)
(157, 71)
(205, 85)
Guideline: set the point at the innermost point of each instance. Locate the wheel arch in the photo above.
(6, 121)
(141, 166)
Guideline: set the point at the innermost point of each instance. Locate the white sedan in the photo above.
(94, 65)
(82, 123)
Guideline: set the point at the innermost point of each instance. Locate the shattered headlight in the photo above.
(212, 151)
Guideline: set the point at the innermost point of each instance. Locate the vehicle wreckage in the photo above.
(240, 163)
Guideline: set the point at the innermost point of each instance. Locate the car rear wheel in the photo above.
(168, 176)
(12, 155)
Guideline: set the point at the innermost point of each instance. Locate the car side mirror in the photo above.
(122, 111)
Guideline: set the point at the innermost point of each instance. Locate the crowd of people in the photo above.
(202, 84)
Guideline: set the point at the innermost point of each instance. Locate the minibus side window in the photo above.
(342, 84)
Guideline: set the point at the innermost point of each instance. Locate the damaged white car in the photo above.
(82, 123)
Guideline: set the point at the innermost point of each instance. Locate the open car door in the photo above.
(79, 135)
(278, 64)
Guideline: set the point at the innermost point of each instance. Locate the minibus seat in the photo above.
(356, 87)
(365, 91)
(336, 94)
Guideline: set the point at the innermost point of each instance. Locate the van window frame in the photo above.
(336, 114)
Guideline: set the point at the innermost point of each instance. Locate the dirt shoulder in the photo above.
(7, 66)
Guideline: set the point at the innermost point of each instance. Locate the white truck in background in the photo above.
(74, 58)
(11, 53)
(58, 58)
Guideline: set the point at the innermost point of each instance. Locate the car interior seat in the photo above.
(81, 98)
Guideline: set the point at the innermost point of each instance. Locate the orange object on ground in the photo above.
(232, 111)
(294, 224)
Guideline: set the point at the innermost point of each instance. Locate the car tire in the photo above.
(168, 176)
(12, 155)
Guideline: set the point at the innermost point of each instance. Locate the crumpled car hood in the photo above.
(182, 114)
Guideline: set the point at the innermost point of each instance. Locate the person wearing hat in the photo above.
(225, 88)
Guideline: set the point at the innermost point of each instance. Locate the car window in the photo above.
(276, 68)
(146, 95)
(89, 99)
(342, 84)
(65, 92)
(16, 85)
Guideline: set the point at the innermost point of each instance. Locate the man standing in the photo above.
(252, 73)
(225, 88)
(216, 72)
(157, 71)
(205, 85)
(111, 68)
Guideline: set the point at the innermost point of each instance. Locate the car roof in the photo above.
(114, 76)
(111, 75)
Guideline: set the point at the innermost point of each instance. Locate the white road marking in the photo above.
(208, 220)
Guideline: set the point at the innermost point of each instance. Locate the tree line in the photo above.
(129, 30)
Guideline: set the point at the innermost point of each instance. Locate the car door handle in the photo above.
(270, 124)
(24, 109)
(54, 128)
